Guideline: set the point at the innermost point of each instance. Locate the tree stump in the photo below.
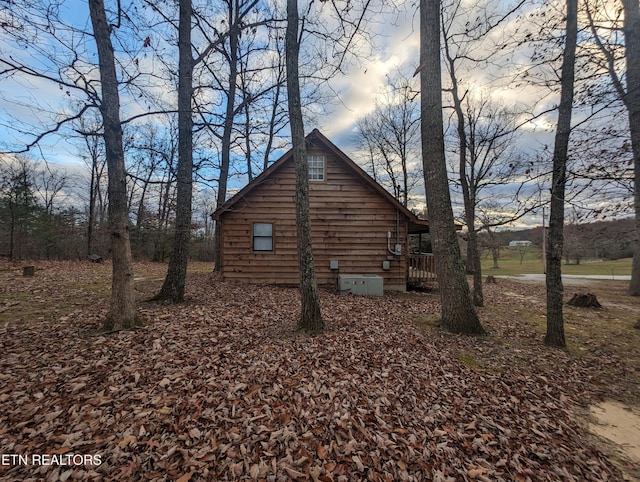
(95, 258)
(28, 270)
(491, 279)
(584, 300)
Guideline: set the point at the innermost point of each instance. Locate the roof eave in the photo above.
(421, 224)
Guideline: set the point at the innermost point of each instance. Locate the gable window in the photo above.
(316, 167)
(263, 236)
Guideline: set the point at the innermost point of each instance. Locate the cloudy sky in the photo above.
(27, 102)
(397, 47)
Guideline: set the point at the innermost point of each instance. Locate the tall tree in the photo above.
(232, 55)
(458, 313)
(174, 282)
(631, 100)
(278, 117)
(467, 28)
(122, 312)
(555, 321)
(18, 205)
(390, 137)
(486, 136)
(607, 24)
(50, 183)
(96, 162)
(91, 150)
(310, 314)
(234, 69)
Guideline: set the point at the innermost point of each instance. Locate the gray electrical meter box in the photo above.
(361, 284)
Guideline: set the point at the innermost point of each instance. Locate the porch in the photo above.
(421, 269)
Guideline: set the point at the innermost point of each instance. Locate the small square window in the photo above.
(316, 167)
(262, 236)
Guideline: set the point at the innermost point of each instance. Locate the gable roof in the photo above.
(316, 137)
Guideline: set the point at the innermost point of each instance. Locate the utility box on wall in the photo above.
(361, 284)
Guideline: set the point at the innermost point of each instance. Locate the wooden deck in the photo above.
(421, 269)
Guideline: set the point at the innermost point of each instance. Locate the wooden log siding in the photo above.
(350, 222)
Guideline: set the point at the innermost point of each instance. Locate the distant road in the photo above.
(569, 279)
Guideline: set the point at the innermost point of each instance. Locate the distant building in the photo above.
(515, 244)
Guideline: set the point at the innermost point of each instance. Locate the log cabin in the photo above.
(359, 230)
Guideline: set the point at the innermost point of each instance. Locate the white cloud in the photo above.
(398, 47)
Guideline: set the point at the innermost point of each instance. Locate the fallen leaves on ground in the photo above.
(222, 387)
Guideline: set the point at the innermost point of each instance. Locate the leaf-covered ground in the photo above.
(223, 388)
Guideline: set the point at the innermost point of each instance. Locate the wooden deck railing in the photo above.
(422, 269)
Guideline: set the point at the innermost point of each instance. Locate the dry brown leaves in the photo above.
(223, 388)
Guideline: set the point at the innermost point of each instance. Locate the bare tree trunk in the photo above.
(405, 172)
(12, 236)
(468, 191)
(280, 73)
(458, 313)
(122, 312)
(247, 140)
(92, 208)
(310, 315)
(495, 254)
(632, 102)
(175, 280)
(234, 32)
(272, 129)
(555, 321)
(468, 194)
(92, 143)
(140, 238)
(630, 95)
(462, 158)
(474, 263)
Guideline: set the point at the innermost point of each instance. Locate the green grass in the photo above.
(510, 264)
(469, 361)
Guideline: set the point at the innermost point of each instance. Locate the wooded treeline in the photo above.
(602, 240)
(45, 213)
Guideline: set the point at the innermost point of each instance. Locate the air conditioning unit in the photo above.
(361, 284)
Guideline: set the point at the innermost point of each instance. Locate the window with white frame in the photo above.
(263, 236)
(316, 167)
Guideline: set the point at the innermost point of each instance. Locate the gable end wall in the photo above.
(349, 223)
